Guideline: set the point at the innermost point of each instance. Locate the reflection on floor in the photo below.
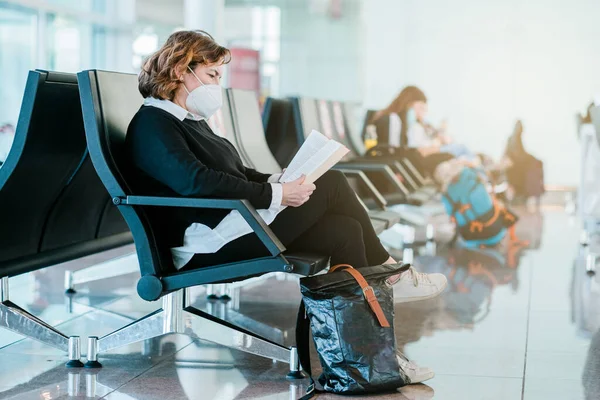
(513, 324)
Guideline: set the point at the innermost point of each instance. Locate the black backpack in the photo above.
(351, 314)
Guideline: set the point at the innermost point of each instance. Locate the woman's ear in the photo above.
(179, 72)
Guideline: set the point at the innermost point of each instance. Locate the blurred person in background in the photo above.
(409, 126)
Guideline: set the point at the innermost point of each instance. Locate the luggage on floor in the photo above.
(481, 220)
(526, 175)
(351, 314)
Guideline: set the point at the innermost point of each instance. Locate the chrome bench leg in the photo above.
(201, 325)
(16, 319)
(176, 317)
(590, 264)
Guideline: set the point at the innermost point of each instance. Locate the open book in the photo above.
(316, 156)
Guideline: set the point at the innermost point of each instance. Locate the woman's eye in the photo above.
(211, 76)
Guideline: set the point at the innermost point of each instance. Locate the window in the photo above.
(147, 38)
(257, 28)
(17, 56)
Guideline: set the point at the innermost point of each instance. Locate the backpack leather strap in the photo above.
(368, 292)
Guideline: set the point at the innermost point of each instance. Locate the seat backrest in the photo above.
(368, 117)
(595, 114)
(84, 210)
(47, 149)
(109, 101)
(325, 120)
(221, 124)
(308, 116)
(249, 130)
(278, 120)
(334, 128)
(50, 196)
(349, 114)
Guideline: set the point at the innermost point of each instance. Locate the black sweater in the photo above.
(174, 158)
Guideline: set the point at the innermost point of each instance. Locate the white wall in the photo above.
(485, 63)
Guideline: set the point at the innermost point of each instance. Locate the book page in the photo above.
(315, 142)
(319, 163)
(325, 161)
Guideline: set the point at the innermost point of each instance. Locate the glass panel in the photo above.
(64, 44)
(17, 56)
(257, 28)
(147, 38)
(92, 6)
(74, 46)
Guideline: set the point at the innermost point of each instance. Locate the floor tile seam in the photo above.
(108, 302)
(124, 316)
(169, 358)
(528, 327)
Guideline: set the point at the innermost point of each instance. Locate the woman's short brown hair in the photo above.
(159, 75)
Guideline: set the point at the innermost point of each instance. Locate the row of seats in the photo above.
(53, 206)
(289, 121)
(51, 200)
(239, 121)
(396, 180)
(64, 195)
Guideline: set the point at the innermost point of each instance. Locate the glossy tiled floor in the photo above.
(511, 325)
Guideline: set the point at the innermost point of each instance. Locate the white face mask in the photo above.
(205, 100)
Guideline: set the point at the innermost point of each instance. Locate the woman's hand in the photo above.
(296, 193)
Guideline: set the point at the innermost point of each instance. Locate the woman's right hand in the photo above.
(296, 193)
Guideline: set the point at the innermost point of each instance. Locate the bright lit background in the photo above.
(483, 64)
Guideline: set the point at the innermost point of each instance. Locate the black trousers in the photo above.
(331, 223)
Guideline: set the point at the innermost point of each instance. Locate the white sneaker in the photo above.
(412, 371)
(414, 286)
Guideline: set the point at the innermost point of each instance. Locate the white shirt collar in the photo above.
(167, 105)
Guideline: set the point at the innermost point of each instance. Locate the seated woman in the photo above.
(173, 152)
(404, 124)
(408, 126)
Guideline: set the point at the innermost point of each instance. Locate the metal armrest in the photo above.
(392, 162)
(257, 224)
(409, 164)
(375, 194)
(384, 169)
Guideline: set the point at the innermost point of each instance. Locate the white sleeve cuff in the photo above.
(277, 195)
(274, 178)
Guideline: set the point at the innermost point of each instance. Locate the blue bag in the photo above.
(480, 219)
